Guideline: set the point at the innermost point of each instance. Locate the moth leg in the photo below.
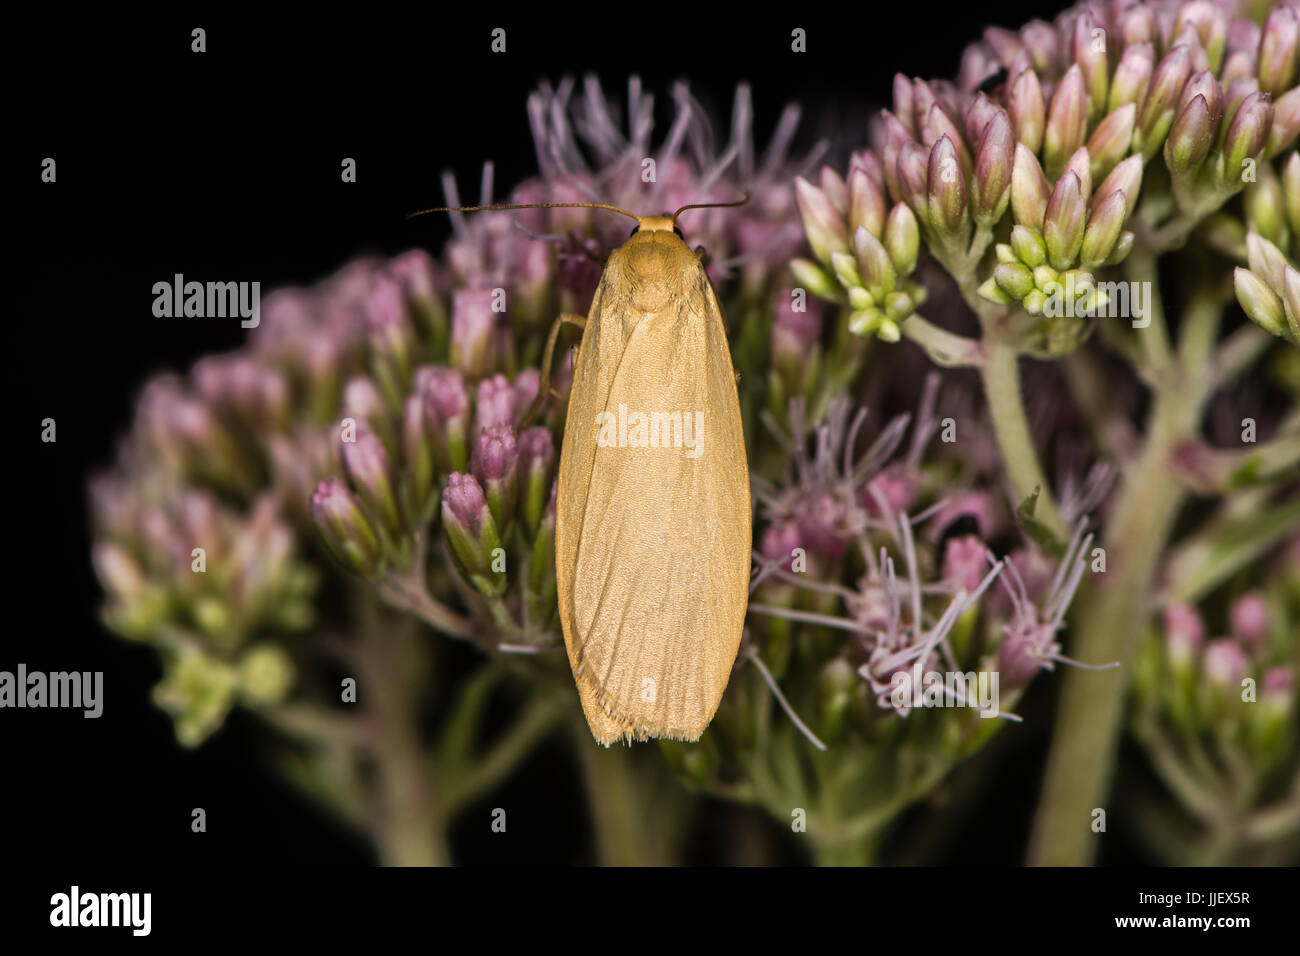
(544, 389)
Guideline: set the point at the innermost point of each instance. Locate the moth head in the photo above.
(657, 224)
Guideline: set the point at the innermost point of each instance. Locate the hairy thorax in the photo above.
(653, 264)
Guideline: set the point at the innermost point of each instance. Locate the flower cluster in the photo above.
(1269, 288)
(217, 591)
(1048, 181)
(872, 253)
(1040, 150)
(1217, 717)
(883, 630)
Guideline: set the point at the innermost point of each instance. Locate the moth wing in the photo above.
(653, 543)
(598, 358)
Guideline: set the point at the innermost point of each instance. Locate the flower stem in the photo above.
(944, 348)
(1000, 375)
(408, 593)
(409, 829)
(1111, 616)
(637, 815)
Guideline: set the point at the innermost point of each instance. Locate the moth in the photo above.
(652, 523)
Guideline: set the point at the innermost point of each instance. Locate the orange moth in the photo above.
(652, 517)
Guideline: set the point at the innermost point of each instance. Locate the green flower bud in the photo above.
(1103, 231)
(1014, 279)
(1092, 62)
(825, 229)
(265, 674)
(1277, 50)
(1029, 189)
(369, 467)
(417, 454)
(1247, 135)
(1258, 301)
(1265, 260)
(1286, 123)
(991, 188)
(1265, 207)
(846, 269)
(809, 275)
(198, 691)
(1026, 108)
(946, 189)
(991, 291)
(346, 530)
(1028, 246)
(902, 239)
(866, 203)
(873, 264)
(866, 321)
(1067, 120)
(1158, 106)
(1211, 28)
(472, 534)
(1123, 246)
(898, 306)
(860, 298)
(1064, 221)
(1189, 139)
(1132, 75)
(1111, 140)
(1125, 178)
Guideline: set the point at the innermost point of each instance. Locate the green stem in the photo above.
(313, 724)
(1246, 528)
(944, 348)
(409, 829)
(1000, 375)
(635, 813)
(1182, 782)
(860, 852)
(482, 772)
(1111, 616)
(1275, 822)
(408, 593)
(1092, 393)
(1154, 338)
(1239, 351)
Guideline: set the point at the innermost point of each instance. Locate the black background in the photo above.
(226, 164)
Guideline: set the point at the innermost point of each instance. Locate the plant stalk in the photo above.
(1000, 375)
(1111, 616)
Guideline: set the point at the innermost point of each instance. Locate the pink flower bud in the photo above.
(1250, 621)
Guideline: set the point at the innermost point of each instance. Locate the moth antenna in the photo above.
(711, 205)
(531, 205)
